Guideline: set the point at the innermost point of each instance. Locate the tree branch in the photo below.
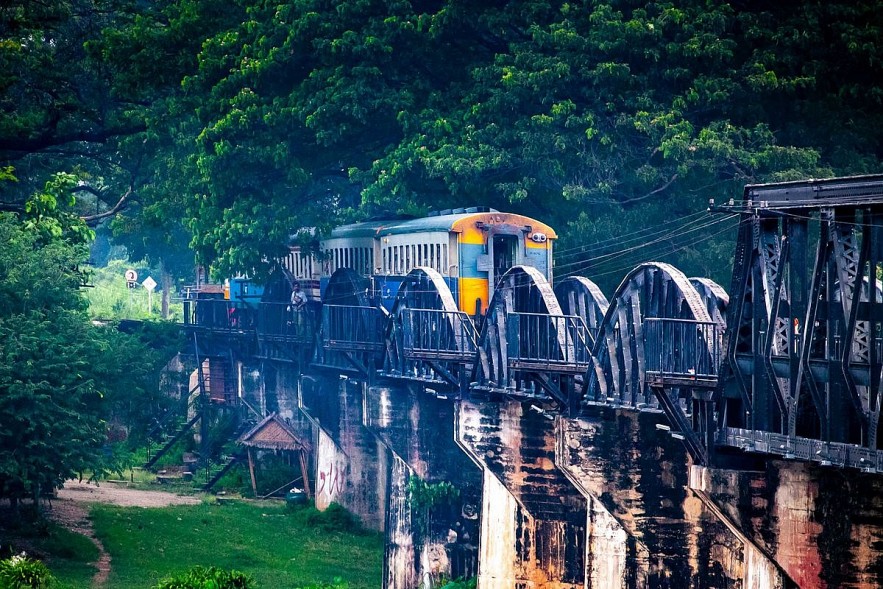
(93, 220)
(17, 148)
(652, 192)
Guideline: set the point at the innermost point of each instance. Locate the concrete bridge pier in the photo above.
(427, 539)
(349, 465)
(638, 475)
(533, 524)
(822, 525)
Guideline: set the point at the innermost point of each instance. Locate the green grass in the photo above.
(71, 556)
(280, 548)
(110, 298)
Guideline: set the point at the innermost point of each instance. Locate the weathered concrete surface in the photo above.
(352, 467)
(639, 475)
(400, 563)
(418, 429)
(532, 515)
(823, 526)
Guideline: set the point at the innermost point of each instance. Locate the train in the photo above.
(469, 247)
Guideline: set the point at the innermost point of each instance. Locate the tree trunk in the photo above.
(166, 279)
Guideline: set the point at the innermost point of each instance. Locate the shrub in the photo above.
(207, 578)
(335, 518)
(460, 584)
(337, 583)
(21, 572)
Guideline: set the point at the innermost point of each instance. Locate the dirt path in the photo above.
(71, 510)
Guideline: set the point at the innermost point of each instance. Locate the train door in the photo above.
(504, 251)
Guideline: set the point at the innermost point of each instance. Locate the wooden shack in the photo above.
(272, 433)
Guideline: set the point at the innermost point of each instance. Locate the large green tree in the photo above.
(251, 118)
(62, 378)
(597, 116)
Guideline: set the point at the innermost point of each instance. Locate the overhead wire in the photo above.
(608, 257)
(647, 232)
(682, 247)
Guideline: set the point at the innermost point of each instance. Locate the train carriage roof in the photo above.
(366, 229)
(455, 222)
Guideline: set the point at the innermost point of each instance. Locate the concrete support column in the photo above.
(665, 535)
(822, 526)
(533, 531)
(418, 430)
(351, 467)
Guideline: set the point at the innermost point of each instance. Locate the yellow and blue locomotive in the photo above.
(470, 248)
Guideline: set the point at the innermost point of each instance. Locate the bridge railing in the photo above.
(218, 315)
(285, 323)
(554, 343)
(681, 351)
(433, 334)
(352, 328)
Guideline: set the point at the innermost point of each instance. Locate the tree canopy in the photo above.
(245, 120)
(62, 379)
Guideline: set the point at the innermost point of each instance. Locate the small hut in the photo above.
(272, 433)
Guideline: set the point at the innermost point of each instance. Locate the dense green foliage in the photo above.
(21, 572)
(207, 578)
(231, 124)
(63, 380)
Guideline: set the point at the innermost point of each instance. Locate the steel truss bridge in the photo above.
(789, 363)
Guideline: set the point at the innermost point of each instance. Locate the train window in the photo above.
(444, 259)
(395, 260)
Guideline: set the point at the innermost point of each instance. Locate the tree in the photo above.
(61, 377)
(59, 114)
(251, 119)
(584, 114)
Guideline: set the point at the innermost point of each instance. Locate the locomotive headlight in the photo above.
(538, 237)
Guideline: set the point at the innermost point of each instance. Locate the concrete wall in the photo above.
(638, 476)
(604, 501)
(418, 429)
(823, 526)
(538, 518)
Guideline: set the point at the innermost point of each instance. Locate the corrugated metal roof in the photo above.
(436, 223)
